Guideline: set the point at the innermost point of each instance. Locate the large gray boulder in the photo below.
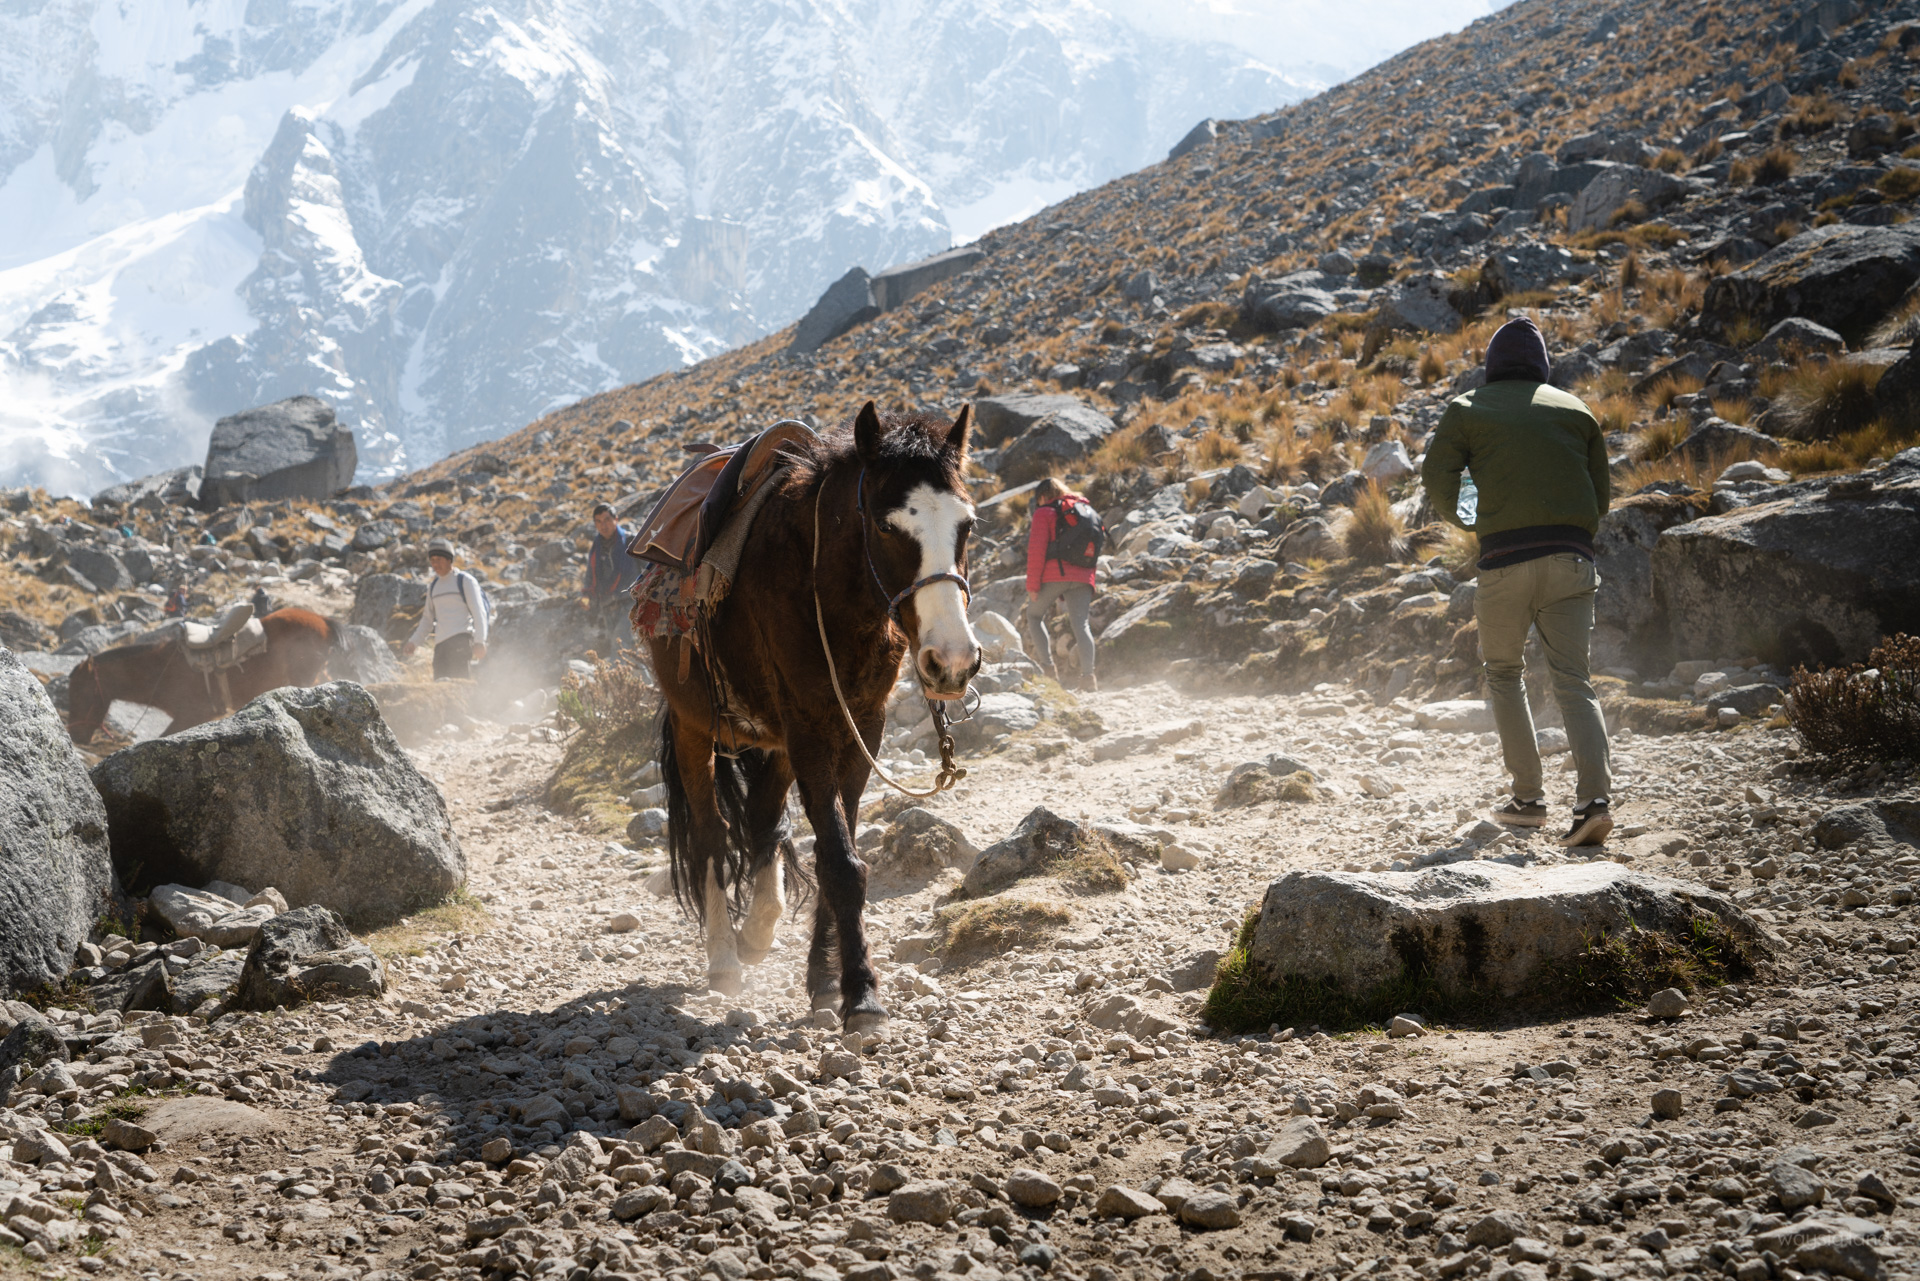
(998, 419)
(848, 302)
(1629, 629)
(306, 790)
(292, 448)
(56, 876)
(378, 597)
(1064, 436)
(362, 655)
(1841, 276)
(895, 285)
(1482, 929)
(1816, 576)
(307, 954)
(180, 486)
(1613, 187)
(1525, 266)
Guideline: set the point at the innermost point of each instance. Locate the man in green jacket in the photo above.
(1540, 464)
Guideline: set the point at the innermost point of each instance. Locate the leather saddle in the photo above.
(683, 523)
(211, 647)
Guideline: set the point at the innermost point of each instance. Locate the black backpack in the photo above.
(1078, 534)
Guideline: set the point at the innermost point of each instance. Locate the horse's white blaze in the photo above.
(948, 646)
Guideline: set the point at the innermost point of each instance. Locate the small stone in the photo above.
(1497, 1229)
(929, 1201)
(1813, 1118)
(1667, 1003)
(496, 1150)
(1668, 1103)
(887, 1177)
(622, 923)
(631, 1205)
(731, 1176)
(1796, 1187)
(1122, 1202)
(1404, 1026)
(1178, 858)
(1210, 1211)
(1301, 1144)
(1031, 1189)
(125, 1135)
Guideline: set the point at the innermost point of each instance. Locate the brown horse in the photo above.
(156, 674)
(866, 542)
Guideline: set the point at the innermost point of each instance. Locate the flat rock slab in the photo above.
(179, 1119)
(1478, 927)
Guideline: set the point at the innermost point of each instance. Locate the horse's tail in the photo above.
(739, 855)
(336, 632)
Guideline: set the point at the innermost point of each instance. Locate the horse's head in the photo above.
(87, 702)
(920, 516)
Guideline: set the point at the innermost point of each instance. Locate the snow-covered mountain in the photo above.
(448, 216)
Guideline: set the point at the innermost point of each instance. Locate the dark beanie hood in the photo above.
(1518, 353)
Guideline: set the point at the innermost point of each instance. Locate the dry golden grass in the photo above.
(1214, 448)
(1823, 399)
(1900, 183)
(1901, 326)
(1433, 367)
(1811, 115)
(1659, 439)
(1374, 535)
(1776, 165)
(1735, 409)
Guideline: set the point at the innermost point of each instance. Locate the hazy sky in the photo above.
(1349, 35)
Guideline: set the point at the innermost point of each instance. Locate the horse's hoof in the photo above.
(869, 1018)
(727, 982)
(827, 998)
(753, 955)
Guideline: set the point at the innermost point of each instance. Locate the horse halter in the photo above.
(900, 597)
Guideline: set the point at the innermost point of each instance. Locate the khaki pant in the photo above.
(1078, 598)
(1554, 594)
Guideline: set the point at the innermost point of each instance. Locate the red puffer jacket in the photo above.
(1039, 568)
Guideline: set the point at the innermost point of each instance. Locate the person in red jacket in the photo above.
(1061, 566)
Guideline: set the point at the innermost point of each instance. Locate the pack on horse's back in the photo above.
(777, 632)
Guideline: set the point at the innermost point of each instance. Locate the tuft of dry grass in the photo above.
(1902, 182)
(1825, 398)
(1214, 448)
(1775, 165)
(1659, 439)
(974, 932)
(1901, 326)
(1374, 535)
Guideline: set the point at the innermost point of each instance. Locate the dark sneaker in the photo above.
(1590, 825)
(1518, 813)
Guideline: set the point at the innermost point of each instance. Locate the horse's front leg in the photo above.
(843, 894)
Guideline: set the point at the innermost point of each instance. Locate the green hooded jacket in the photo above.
(1537, 456)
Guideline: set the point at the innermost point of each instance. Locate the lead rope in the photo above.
(950, 773)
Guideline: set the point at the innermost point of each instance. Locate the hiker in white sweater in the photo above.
(455, 617)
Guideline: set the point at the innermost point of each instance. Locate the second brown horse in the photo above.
(156, 674)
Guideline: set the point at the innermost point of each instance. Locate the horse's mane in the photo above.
(916, 438)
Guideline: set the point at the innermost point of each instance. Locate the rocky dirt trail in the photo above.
(545, 1090)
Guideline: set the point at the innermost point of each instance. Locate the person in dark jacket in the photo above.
(1539, 462)
(176, 606)
(611, 572)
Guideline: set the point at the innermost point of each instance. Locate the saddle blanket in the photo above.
(664, 603)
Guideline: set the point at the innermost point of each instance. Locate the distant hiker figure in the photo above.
(176, 606)
(611, 571)
(1540, 462)
(455, 616)
(1063, 555)
(262, 603)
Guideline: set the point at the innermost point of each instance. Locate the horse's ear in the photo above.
(867, 432)
(957, 434)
